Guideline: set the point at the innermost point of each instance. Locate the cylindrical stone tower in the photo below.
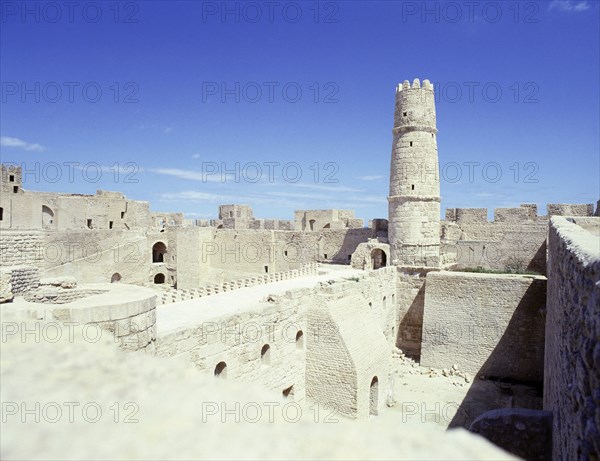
(414, 200)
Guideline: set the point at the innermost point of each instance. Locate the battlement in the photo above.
(416, 84)
(525, 212)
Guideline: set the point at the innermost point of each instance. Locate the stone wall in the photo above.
(22, 278)
(410, 288)
(513, 242)
(572, 359)
(237, 340)
(347, 330)
(486, 324)
(22, 247)
(94, 256)
(351, 329)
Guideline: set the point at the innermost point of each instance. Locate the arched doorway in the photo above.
(159, 278)
(158, 252)
(47, 216)
(116, 278)
(379, 258)
(373, 396)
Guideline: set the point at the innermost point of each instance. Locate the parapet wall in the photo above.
(572, 356)
(177, 295)
(487, 324)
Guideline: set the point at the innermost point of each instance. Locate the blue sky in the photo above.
(156, 99)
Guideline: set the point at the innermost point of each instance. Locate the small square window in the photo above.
(404, 114)
(11, 178)
(15, 189)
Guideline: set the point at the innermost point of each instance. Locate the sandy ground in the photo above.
(449, 398)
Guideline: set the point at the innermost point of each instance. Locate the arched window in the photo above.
(312, 224)
(288, 392)
(379, 258)
(116, 277)
(158, 252)
(159, 278)
(221, 370)
(47, 216)
(300, 340)
(373, 396)
(265, 354)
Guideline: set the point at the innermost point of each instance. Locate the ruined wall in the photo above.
(572, 360)
(487, 324)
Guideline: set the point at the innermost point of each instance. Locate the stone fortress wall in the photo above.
(331, 341)
(515, 239)
(572, 356)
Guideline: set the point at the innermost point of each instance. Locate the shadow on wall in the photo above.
(538, 262)
(514, 368)
(343, 254)
(410, 331)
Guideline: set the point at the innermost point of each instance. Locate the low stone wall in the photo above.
(486, 324)
(174, 295)
(572, 359)
(21, 278)
(126, 312)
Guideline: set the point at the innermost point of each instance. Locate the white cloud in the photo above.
(373, 177)
(20, 144)
(187, 174)
(569, 5)
(195, 156)
(332, 187)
